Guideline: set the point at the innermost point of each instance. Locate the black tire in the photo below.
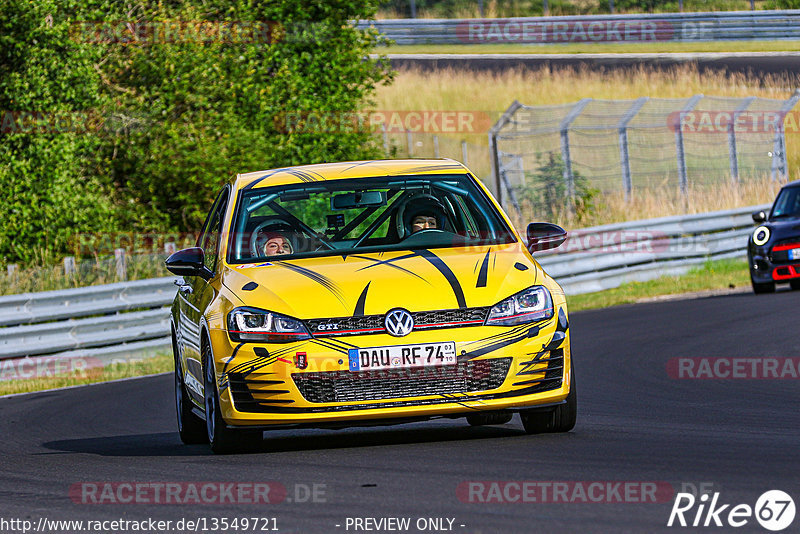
(761, 288)
(795, 285)
(191, 428)
(560, 419)
(490, 418)
(223, 440)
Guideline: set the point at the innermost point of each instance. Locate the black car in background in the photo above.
(773, 251)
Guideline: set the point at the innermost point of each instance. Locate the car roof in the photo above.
(796, 183)
(347, 170)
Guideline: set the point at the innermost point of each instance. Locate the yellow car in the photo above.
(365, 293)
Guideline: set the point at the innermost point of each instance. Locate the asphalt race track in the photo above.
(739, 437)
(752, 63)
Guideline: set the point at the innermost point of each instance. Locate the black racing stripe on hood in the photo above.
(362, 301)
(390, 263)
(484, 272)
(442, 267)
(321, 279)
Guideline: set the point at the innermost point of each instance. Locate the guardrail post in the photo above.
(13, 271)
(499, 125)
(69, 265)
(435, 146)
(566, 158)
(122, 263)
(385, 137)
(733, 155)
(627, 182)
(683, 181)
(779, 163)
(464, 153)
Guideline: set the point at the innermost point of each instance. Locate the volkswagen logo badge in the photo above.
(398, 322)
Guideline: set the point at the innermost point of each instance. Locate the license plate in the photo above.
(794, 253)
(402, 356)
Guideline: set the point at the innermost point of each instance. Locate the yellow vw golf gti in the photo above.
(365, 293)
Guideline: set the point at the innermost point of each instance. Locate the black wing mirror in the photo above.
(544, 236)
(759, 216)
(188, 262)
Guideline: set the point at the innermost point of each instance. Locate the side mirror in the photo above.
(759, 216)
(188, 262)
(544, 236)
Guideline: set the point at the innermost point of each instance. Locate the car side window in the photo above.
(209, 241)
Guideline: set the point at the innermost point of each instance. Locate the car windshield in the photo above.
(364, 215)
(787, 204)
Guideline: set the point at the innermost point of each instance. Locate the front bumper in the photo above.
(764, 270)
(499, 368)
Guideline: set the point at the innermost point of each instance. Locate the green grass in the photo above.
(597, 48)
(720, 274)
(160, 363)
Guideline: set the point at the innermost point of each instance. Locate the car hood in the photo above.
(374, 283)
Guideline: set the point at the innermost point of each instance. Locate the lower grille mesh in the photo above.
(345, 386)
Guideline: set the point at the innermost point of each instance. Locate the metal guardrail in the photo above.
(604, 257)
(124, 319)
(100, 322)
(681, 27)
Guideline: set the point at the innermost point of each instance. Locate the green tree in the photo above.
(548, 195)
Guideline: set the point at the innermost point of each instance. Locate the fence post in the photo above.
(566, 158)
(779, 163)
(69, 265)
(122, 264)
(504, 174)
(464, 152)
(493, 151)
(622, 127)
(385, 137)
(435, 146)
(733, 155)
(409, 143)
(683, 181)
(12, 272)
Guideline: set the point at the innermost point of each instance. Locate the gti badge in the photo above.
(398, 322)
(324, 327)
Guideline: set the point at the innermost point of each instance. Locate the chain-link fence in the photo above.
(557, 155)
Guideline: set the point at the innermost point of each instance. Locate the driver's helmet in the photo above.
(423, 204)
(276, 228)
(288, 245)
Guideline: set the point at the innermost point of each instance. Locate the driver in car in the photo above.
(424, 213)
(277, 244)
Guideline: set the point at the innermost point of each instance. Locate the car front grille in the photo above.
(346, 386)
(780, 250)
(373, 324)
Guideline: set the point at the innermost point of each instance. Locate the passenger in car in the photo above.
(277, 244)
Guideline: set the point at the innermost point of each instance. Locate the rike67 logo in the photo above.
(774, 510)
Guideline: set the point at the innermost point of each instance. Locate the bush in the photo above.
(179, 118)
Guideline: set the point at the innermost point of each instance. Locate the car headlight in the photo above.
(761, 235)
(533, 304)
(252, 324)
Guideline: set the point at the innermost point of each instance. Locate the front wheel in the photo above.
(190, 427)
(759, 288)
(560, 419)
(223, 440)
